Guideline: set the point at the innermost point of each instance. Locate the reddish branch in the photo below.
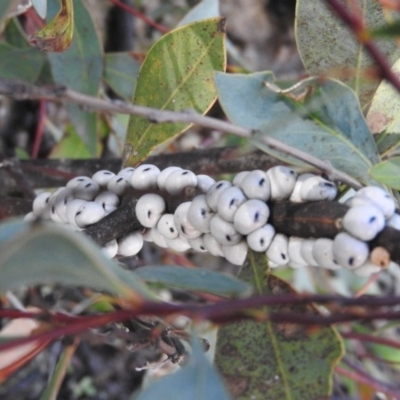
(39, 129)
(140, 15)
(357, 26)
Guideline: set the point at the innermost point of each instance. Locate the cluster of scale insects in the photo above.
(228, 218)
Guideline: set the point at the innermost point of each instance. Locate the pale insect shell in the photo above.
(236, 254)
(323, 254)
(224, 232)
(102, 177)
(163, 175)
(200, 214)
(214, 192)
(255, 185)
(348, 251)
(261, 238)
(282, 181)
(229, 201)
(212, 246)
(131, 244)
(251, 215)
(182, 222)
(179, 180)
(278, 250)
(144, 177)
(149, 209)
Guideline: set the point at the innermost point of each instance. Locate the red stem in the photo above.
(370, 338)
(141, 16)
(357, 27)
(39, 129)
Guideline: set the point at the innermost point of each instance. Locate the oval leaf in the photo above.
(198, 380)
(45, 253)
(276, 361)
(177, 74)
(388, 172)
(80, 68)
(321, 118)
(194, 279)
(328, 48)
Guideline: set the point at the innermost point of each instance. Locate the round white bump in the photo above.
(30, 217)
(158, 239)
(282, 180)
(229, 201)
(144, 177)
(363, 222)
(130, 244)
(212, 246)
(204, 183)
(306, 251)
(394, 221)
(224, 231)
(278, 250)
(52, 205)
(146, 233)
(261, 238)
(374, 195)
(102, 177)
(200, 214)
(198, 244)
(77, 180)
(251, 215)
(294, 251)
(72, 209)
(214, 192)
(86, 190)
(178, 244)
(110, 249)
(348, 251)
(177, 181)
(118, 185)
(255, 185)
(323, 254)
(149, 209)
(163, 175)
(295, 196)
(88, 214)
(41, 206)
(61, 202)
(182, 222)
(366, 270)
(236, 254)
(108, 200)
(238, 179)
(317, 188)
(166, 226)
(272, 264)
(126, 173)
(295, 265)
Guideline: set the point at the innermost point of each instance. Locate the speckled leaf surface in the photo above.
(328, 48)
(276, 361)
(80, 68)
(321, 118)
(177, 74)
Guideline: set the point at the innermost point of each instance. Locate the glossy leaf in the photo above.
(205, 9)
(56, 36)
(120, 73)
(264, 360)
(384, 115)
(194, 279)
(388, 172)
(45, 253)
(321, 118)
(70, 146)
(80, 68)
(198, 380)
(21, 64)
(328, 48)
(177, 74)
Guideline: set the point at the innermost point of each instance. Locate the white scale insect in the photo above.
(228, 219)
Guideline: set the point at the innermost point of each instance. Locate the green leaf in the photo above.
(194, 279)
(45, 253)
(80, 68)
(384, 115)
(276, 361)
(177, 74)
(120, 73)
(388, 172)
(198, 380)
(328, 48)
(14, 34)
(70, 146)
(390, 29)
(21, 64)
(4, 7)
(326, 121)
(205, 9)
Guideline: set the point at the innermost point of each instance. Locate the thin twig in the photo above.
(18, 90)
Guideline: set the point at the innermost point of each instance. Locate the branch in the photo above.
(61, 93)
